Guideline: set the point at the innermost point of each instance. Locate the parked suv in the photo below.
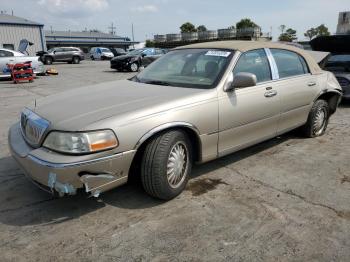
(63, 54)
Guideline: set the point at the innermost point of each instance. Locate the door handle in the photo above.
(270, 93)
(311, 83)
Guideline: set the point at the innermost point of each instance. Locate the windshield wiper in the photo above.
(156, 82)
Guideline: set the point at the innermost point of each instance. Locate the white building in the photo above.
(343, 27)
(13, 29)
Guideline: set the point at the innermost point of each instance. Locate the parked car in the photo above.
(133, 60)
(63, 54)
(339, 61)
(339, 64)
(101, 53)
(13, 57)
(195, 104)
(118, 51)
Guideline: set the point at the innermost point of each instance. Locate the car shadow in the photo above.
(25, 204)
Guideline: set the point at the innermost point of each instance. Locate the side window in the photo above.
(289, 63)
(4, 53)
(254, 62)
(9, 46)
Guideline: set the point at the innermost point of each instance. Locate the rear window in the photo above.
(289, 63)
(338, 63)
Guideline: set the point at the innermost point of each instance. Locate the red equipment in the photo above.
(21, 72)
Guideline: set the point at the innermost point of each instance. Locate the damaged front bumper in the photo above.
(65, 174)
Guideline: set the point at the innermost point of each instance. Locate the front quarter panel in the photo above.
(201, 113)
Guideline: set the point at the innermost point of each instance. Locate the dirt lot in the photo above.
(287, 199)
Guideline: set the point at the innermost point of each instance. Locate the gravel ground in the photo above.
(287, 199)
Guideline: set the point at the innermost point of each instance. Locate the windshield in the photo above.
(106, 50)
(136, 52)
(194, 68)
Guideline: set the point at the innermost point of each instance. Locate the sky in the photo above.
(166, 16)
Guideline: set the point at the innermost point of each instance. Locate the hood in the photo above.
(74, 110)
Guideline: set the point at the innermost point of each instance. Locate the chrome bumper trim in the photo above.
(75, 164)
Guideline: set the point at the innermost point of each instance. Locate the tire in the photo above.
(317, 121)
(76, 60)
(134, 67)
(48, 60)
(160, 175)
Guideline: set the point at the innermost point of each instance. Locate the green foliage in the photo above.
(188, 28)
(202, 28)
(246, 23)
(149, 43)
(321, 30)
(288, 36)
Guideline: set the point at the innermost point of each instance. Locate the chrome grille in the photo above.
(33, 127)
(343, 82)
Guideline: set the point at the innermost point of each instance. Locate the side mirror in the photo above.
(241, 80)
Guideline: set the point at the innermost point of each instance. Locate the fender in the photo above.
(334, 91)
(164, 127)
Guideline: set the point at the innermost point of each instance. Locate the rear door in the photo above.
(249, 115)
(296, 88)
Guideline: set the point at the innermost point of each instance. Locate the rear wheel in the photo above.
(48, 60)
(76, 60)
(317, 122)
(166, 165)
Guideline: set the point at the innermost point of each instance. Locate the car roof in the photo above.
(244, 46)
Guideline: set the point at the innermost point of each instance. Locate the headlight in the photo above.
(80, 143)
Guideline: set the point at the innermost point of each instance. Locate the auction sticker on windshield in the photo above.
(218, 53)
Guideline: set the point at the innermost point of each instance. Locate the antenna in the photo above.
(112, 29)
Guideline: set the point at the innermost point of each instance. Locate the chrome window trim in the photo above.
(273, 65)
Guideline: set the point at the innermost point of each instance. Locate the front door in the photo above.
(249, 115)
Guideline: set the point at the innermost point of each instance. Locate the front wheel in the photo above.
(317, 121)
(134, 67)
(76, 60)
(48, 60)
(166, 165)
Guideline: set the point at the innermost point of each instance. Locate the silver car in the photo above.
(13, 57)
(195, 104)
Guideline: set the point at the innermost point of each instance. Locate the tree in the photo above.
(202, 28)
(282, 28)
(246, 23)
(311, 33)
(188, 28)
(289, 36)
(321, 30)
(149, 43)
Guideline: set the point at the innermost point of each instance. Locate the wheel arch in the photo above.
(332, 97)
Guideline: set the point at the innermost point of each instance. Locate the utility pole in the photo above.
(112, 29)
(133, 36)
